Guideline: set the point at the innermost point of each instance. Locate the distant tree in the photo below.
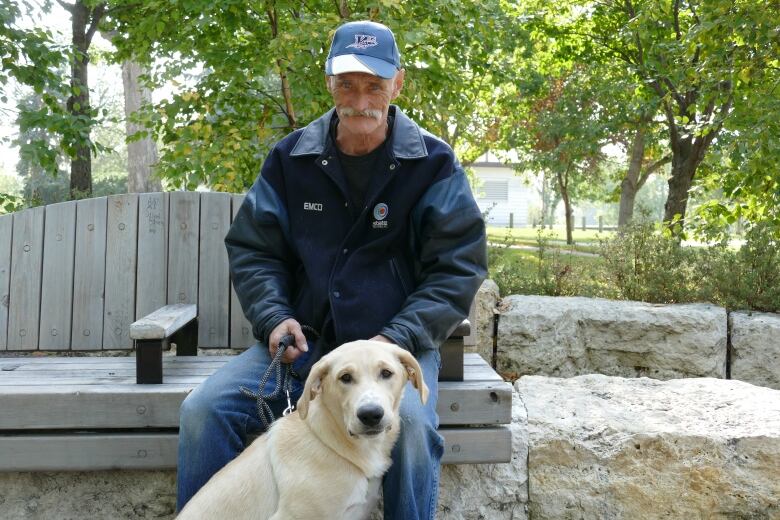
(85, 18)
(703, 62)
(249, 74)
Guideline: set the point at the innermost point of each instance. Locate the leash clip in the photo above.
(290, 408)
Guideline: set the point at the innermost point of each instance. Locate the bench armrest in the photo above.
(164, 322)
(462, 330)
(152, 334)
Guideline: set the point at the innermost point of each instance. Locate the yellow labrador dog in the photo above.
(325, 460)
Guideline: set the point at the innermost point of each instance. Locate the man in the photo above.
(361, 225)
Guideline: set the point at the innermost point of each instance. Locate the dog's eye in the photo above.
(386, 374)
(346, 378)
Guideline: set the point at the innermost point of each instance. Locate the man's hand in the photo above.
(288, 326)
(381, 338)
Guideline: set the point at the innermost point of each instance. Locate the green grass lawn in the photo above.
(517, 271)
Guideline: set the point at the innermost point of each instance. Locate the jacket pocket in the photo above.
(399, 277)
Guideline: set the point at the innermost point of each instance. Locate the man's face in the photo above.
(362, 100)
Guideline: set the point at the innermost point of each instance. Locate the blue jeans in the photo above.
(216, 419)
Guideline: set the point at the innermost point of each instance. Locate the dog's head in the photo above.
(361, 384)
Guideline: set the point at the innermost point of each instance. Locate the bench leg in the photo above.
(186, 339)
(148, 361)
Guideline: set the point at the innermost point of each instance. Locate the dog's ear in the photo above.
(414, 372)
(313, 386)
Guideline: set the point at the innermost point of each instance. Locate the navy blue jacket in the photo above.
(407, 268)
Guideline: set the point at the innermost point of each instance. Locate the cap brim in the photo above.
(359, 63)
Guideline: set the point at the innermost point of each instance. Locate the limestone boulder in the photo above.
(483, 317)
(608, 447)
(570, 336)
(755, 348)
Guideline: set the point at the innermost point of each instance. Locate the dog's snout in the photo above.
(370, 414)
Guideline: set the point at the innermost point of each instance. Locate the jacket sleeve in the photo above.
(452, 255)
(261, 258)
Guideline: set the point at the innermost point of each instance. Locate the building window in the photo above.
(494, 190)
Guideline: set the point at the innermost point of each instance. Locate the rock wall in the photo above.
(607, 447)
(569, 336)
(755, 348)
(483, 318)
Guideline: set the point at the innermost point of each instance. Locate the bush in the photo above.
(644, 263)
(546, 270)
(748, 278)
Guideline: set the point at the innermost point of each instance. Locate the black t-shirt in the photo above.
(359, 170)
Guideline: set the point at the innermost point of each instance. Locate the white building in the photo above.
(503, 194)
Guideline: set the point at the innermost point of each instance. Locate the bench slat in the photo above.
(152, 277)
(57, 289)
(214, 281)
(6, 228)
(80, 393)
(96, 451)
(121, 243)
(25, 288)
(240, 328)
(183, 247)
(89, 275)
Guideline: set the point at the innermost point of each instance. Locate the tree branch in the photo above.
(97, 14)
(66, 6)
(677, 20)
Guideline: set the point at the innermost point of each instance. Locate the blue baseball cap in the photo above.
(363, 47)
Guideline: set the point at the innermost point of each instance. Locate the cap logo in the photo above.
(363, 41)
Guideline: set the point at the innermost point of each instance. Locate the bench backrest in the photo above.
(75, 275)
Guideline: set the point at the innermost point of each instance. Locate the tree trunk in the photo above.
(629, 186)
(685, 159)
(78, 104)
(563, 187)
(679, 185)
(141, 154)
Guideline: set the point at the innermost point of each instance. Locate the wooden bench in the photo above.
(74, 277)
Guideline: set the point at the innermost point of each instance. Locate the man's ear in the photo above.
(414, 372)
(398, 83)
(328, 83)
(313, 386)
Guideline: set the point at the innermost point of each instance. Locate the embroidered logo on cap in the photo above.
(363, 41)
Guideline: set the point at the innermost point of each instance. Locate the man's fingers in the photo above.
(300, 340)
(288, 326)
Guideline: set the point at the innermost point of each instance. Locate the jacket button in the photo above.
(345, 251)
(324, 162)
(336, 294)
(392, 166)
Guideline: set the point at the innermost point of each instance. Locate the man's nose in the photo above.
(361, 102)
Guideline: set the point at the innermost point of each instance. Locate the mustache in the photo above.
(351, 112)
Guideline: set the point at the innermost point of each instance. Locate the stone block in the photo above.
(755, 348)
(570, 336)
(607, 447)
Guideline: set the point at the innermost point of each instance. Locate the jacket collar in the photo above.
(406, 137)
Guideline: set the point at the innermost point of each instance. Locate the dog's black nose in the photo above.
(370, 414)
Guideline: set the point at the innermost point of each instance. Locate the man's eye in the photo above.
(346, 378)
(386, 374)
